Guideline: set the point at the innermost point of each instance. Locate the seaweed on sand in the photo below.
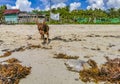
(30, 46)
(12, 60)
(22, 48)
(64, 56)
(108, 72)
(12, 72)
(6, 54)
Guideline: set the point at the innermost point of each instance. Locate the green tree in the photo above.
(112, 13)
(2, 9)
(87, 16)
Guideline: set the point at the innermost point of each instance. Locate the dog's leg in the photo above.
(47, 38)
(42, 35)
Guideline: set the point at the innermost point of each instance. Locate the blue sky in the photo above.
(29, 5)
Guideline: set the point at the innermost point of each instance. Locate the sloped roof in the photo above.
(11, 11)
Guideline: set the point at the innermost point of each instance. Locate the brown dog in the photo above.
(43, 29)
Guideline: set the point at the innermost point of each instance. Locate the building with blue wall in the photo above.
(11, 15)
(17, 16)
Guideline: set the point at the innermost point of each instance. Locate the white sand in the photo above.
(70, 39)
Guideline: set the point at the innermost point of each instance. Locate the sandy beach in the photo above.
(86, 41)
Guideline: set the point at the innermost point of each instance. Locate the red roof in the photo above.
(11, 11)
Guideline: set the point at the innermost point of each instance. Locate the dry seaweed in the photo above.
(88, 56)
(22, 48)
(96, 48)
(30, 46)
(6, 54)
(118, 36)
(12, 72)
(64, 56)
(108, 72)
(12, 60)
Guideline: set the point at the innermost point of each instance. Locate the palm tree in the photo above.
(112, 13)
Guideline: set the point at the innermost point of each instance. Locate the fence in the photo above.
(98, 20)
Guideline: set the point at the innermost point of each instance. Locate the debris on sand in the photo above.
(108, 72)
(88, 56)
(4, 50)
(90, 72)
(72, 37)
(64, 56)
(44, 47)
(98, 49)
(23, 48)
(12, 72)
(30, 46)
(1, 41)
(76, 65)
(29, 37)
(111, 45)
(93, 35)
(6, 54)
(12, 60)
(118, 36)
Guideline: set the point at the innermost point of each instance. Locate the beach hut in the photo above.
(27, 17)
(11, 15)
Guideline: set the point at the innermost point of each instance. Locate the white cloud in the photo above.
(23, 5)
(47, 7)
(99, 4)
(45, 2)
(9, 6)
(37, 8)
(74, 6)
(57, 3)
(113, 4)
(60, 5)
